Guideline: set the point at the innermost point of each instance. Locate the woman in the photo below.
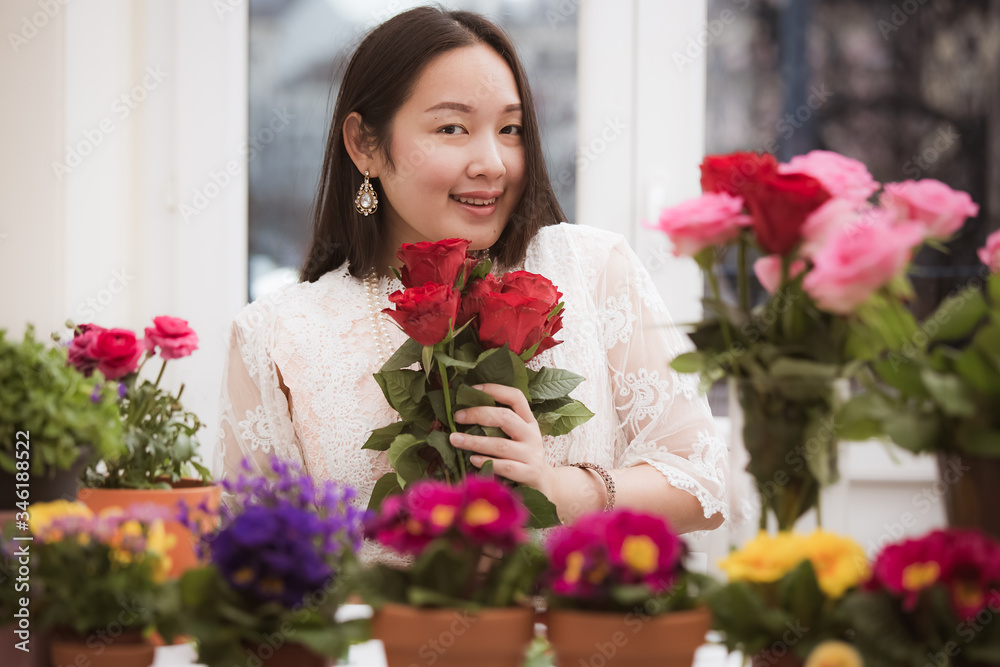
(434, 136)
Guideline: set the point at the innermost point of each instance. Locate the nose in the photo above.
(486, 158)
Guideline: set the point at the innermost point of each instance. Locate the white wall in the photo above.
(122, 110)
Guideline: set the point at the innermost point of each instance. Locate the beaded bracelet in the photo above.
(609, 482)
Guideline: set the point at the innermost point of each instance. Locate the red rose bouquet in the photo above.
(159, 434)
(467, 327)
(931, 600)
(833, 265)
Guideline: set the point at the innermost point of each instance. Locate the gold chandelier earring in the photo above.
(366, 200)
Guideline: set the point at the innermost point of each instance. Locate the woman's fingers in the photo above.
(511, 396)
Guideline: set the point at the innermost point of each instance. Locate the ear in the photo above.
(358, 145)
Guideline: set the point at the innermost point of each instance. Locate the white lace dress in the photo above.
(322, 338)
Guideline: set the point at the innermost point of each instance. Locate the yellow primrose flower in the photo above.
(839, 562)
(41, 515)
(766, 558)
(158, 543)
(834, 653)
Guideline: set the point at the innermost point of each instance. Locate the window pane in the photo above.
(299, 48)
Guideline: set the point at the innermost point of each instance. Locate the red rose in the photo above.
(80, 356)
(425, 313)
(736, 172)
(779, 205)
(117, 352)
(518, 314)
(173, 336)
(426, 262)
(472, 300)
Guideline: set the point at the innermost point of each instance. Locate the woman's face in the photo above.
(457, 152)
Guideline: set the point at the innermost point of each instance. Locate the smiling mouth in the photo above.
(475, 202)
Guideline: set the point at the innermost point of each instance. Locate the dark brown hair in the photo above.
(379, 79)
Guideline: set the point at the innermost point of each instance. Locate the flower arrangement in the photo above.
(93, 572)
(52, 410)
(468, 543)
(786, 592)
(833, 264)
(277, 568)
(933, 598)
(466, 328)
(159, 435)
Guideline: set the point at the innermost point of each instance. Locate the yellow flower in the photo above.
(839, 562)
(481, 512)
(158, 543)
(765, 558)
(919, 576)
(574, 567)
(834, 654)
(640, 553)
(41, 515)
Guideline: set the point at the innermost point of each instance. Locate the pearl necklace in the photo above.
(383, 343)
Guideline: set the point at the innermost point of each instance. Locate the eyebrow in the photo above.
(465, 108)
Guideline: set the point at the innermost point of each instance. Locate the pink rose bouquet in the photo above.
(159, 434)
(833, 267)
(468, 543)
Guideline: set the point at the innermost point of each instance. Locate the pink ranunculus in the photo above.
(906, 568)
(81, 356)
(173, 336)
(644, 549)
(971, 572)
(941, 210)
(395, 527)
(117, 352)
(768, 271)
(990, 253)
(435, 506)
(696, 224)
(860, 259)
(492, 514)
(843, 177)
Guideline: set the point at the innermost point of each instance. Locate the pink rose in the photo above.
(824, 222)
(843, 177)
(990, 254)
(941, 210)
(117, 352)
(709, 220)
(768, 271)
(860, 259)
(173, 336)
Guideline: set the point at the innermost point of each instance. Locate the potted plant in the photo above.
(467, 329)
(464, 599)
(833, 265)
(54, 422)
(931, 600)
(618, 590)
(97, 581)
(278, 569)
(940, 394)
(159, 462)
(785, 593)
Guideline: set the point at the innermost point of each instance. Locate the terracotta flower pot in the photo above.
(287, 655)
(10, 655)
(789, 659)
(627, 640)
(454, 637)
(190, 492)
(128, 650)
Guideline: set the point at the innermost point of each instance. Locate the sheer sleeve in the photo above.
(254, 412)
(666, 420)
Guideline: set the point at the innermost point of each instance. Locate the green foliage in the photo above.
(418, 446)
(205, 607)
(60, 409)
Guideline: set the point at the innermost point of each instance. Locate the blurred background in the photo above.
(162, 157)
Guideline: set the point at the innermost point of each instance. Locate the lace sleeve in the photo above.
(666, 421)
(254, 412)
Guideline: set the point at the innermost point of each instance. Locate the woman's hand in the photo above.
(520, 459)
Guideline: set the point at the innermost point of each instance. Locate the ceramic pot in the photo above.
(127, 650)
